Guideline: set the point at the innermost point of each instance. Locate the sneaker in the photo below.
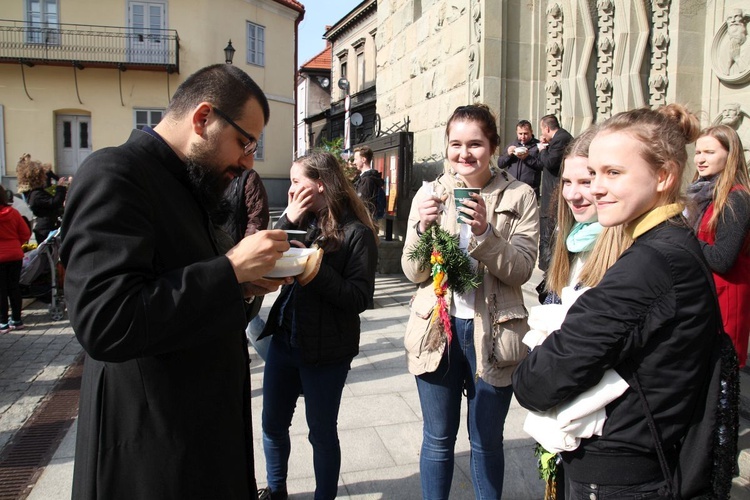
(264, 494)
(16, 325)
(4, 327)
(267, 494)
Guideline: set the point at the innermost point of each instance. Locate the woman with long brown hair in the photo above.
(316, 327)
(720, 216)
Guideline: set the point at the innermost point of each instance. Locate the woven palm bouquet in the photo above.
(450, 269)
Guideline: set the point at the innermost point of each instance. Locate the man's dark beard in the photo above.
(205, 176)
(207, 183)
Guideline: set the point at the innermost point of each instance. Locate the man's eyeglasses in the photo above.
(252, 143)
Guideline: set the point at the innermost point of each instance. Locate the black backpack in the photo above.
(713, 426)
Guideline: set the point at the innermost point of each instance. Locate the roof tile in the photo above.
(320, 61)
(292, 4)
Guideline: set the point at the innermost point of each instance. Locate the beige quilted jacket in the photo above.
(506, 259)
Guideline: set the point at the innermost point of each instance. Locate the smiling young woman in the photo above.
(653, 312)
(482, 346)
(579, 235)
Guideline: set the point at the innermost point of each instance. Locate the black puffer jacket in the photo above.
(527, 170)
(654, 312)
(326, 320)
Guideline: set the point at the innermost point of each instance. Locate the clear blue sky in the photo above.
(318, 14)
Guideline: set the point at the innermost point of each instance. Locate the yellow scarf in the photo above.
(651, 219)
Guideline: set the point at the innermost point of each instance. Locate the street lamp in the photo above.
(229, 52)
(344, 85)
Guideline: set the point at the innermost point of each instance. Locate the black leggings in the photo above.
(10, 288)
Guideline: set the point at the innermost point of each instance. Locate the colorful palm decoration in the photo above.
(450, 268)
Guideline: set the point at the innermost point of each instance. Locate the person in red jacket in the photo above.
(14, 232)
(721, 218)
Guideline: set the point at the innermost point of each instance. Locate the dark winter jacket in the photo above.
(367, 186)
(47, 208)
(549, 161)
(527, 170)
(326, 322)
(246, 203)
(165, 395)
(653, 312)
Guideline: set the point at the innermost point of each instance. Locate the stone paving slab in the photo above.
(31, 362)
(380, 422)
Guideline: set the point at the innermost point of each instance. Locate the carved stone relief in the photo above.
(554, 57)
(733, 115)
(475, 51)
(658, 79)
(605, 50)
(632, 32)
(730, 52)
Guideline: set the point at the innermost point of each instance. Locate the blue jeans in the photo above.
(588, 491)
(284, 379)
(440, 395)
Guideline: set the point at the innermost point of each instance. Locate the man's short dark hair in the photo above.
(524, 124)
(365, 152)
(225, 86)
(550, 121)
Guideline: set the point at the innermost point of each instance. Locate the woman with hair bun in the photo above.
(651, 315)
(720, 216)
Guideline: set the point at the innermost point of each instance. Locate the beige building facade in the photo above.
(353, 73)
(78, 75)
(582, 60)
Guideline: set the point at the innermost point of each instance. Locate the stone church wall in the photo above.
(582, 60)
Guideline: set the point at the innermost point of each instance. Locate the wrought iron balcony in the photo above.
(89, 46)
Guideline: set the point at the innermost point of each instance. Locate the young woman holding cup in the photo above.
(499, 235)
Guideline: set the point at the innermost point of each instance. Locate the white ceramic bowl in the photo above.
(291, 263)
(521, 150)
